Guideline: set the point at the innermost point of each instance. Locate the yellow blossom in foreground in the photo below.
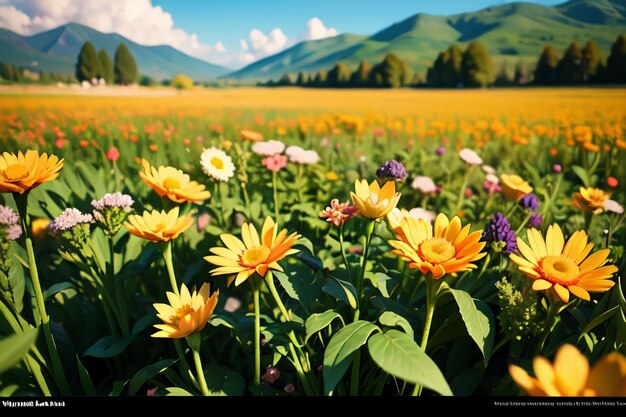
(23, 172)
(449, 248)
(372, 201)
(514, 187)
(158, 226)
(39, 228)
(565, 268)
(590, 199)
(570, 375)
(173, 183)
(186, 313)
(241, 259)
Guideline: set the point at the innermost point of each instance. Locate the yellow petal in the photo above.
(595, 260)
(453, 229)
(541, 284)
(361, 189)
(525, 381)
(537, 244)
(562, 292)
(526, 251)
(608, 376)
(441, 223)
(571, 369)
(545, 374)
(579, 292)
(233, 243)
(554, 240)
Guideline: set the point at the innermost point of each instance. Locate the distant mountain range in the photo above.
(511, 32)
(56, 50)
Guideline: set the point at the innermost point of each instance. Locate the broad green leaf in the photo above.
(146, 373)
(582, 174)
(223, 381)
(391, 319)
(478, 320)
(397, 354)
(341, 290)
(143, 323)
(108, 347)
(319, 321)
(379, 280)
(85, 380)
(340, 348)
(50, 292)
(15, 347)
(598, 320)
(8, 391)
(177, 392)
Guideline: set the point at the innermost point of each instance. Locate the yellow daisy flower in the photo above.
(23, 172)
(173, 183)
(372, 201)
(158, 226)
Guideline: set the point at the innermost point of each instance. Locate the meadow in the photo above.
(252, 241)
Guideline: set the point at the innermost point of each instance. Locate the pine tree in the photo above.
(360, 76)
(476, 67)
(302, 79)
(545, 72)
(125, 66)
(616, 64)
(320, 78)
(590, 61)
(338, 76)
(285, 80)
(451, 75)
(106, 67)
(88, 65)
(570, 67)
(435, 73)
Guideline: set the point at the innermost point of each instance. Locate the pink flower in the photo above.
(275, 162)
(337, 213)
(113, 154)
(271, 374)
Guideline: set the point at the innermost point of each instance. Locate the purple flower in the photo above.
(529, 202)
(441, 150)
(68, 219)
(118, 199)
(556, 168)
(392, 170)
(271, 375)
(534, 220)
(498, 233)
(9, 224)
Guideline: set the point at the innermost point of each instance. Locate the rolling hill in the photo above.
(56, 50)
(511, 32)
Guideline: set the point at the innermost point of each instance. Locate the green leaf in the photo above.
(319, 321)
(85, 380)
(379, 280)
(598, 320)
(8, 390)
(143, 323)
(341, 290)
(57, 288)
(391, 319)
(397, 354)
(478, 320)
(340, 348)
(146, 373)
(15, 347)
(177, 392)
(108, 346)
(224, 381)
(582, 174)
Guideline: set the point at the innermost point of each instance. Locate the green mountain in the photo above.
(56, 50)
(514, 32)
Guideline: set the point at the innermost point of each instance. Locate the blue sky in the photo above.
(232, 33)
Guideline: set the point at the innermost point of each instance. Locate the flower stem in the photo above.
(118, 293)
(202, 381)
(521, 226)
(246, 199)
(167, 256)
(553, 308)
(460, 199)
(257, 334)
(343, 253)
(359, 285)
(432, 285)
(275, 187)
(43, 319)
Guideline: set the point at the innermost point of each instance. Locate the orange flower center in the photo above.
(217, 162)
(559, 270)
(255, 256)
(15, 172)
(181, 312)
(437, 250)
(171, 183)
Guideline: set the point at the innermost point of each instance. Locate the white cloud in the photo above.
(138, 20)
(219, 47)
(262, 45)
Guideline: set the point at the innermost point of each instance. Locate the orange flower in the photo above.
(590, 199)
(173, 183)
(158, 226)
(241, 259)
(564, 268)
(83, 143)
(251, 135)
(39, 228)
(514, 187)
(447, 249)
(153, 147)
(570, 375)
(23, 172)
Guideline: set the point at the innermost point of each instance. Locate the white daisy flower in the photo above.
(216, 164)
(470, 157)
(301, 156)
(269, 148)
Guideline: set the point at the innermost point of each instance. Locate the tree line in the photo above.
(93, 66)
(12, 73)
(473, 67)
